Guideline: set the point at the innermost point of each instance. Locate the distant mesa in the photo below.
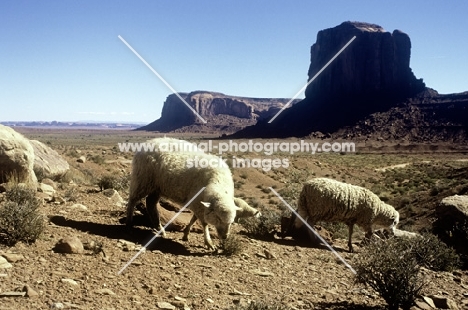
(223, 113)
(368, 92)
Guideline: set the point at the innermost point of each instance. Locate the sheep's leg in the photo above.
(153, 213)
(188, 227)
(206, 235)
(350, 236)
(130, 206)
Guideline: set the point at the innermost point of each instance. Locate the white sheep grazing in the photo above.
(323, 199)
(174, 175)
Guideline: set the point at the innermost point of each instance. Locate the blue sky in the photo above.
(63, 60)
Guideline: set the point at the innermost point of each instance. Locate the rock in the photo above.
(49, 182)
(69, 281)
(81, 159)
(12, 294)
(451, 213)
(30, 292)
(268, 254)
(381, 57)
(422, 305)
(165, 305)
(47, 162)
(453, 208)
(69, 245)
(262, 273)
(429, 301)
(109, 192)
(16, 157)
(79, 206)
(405, 234)
(104, 291)
(220, 109)
(4, 264)
(11, 257)
(46, 189)
(444, 302)
(57, 305)
(114, 197)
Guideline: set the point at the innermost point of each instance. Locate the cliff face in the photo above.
(374, 65)
(371, 75)
(223, 113)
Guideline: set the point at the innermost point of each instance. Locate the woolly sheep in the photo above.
(323, 199)
(167, 174)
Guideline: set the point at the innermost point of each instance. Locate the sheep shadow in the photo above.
(345, 305)
(136, 235)
(290, 242)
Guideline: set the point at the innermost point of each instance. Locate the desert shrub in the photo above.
(433, 254)
(232, 245)
(262, 227)
(19, 218)
(392, 270)
(113, 181)
(98, 159)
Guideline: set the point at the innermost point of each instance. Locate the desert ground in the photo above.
(185, 274)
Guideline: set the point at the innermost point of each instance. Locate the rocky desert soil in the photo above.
(174, 274)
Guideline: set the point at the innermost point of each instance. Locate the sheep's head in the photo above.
(388, 221)
(220, 217)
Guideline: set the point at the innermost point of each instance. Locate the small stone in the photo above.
(444, 302)
(210, 300)
(57, 305)
(4, 264)
(262, 273)
(12, 258)
(30, 292)
(79, 206)
(69, 245)
(81, 159)
(69, 281)
(429, 301)
(49, 182)
(422, 305)
(104, 291)
(46, 189)
(109, 192)
(268, 254)
(165, 305)
(12, 294)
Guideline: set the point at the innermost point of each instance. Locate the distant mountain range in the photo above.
(79, 124)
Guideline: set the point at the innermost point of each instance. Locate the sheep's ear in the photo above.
(238, 208)
(206, 204)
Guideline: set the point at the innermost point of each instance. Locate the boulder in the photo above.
(47, 162)
(16, 157)
(69, 245)
(453, 209)
(452, 222)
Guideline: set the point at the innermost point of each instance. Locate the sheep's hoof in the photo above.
(185, 238)
(211, 247)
